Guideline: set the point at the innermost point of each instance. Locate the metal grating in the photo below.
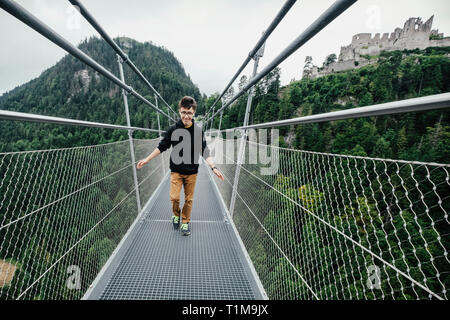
(205, 208)
(159, 263)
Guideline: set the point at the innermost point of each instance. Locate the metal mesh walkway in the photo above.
(155, 262)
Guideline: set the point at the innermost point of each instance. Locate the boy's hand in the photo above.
(141, 163)
(218, 173)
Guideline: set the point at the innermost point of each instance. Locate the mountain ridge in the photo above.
(71, 89)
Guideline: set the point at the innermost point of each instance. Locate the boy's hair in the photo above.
(187, 102)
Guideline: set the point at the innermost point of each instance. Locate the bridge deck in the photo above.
(155, 261)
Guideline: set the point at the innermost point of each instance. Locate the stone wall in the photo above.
(414, 34)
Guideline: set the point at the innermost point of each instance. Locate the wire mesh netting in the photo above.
(326, 226)
(63, 212)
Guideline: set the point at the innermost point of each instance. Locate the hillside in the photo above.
(419, 136)
(73, 90)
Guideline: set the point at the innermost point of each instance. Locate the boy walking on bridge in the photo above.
(188, 142)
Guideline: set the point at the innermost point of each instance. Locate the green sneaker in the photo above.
(175, 222)
(186, 229)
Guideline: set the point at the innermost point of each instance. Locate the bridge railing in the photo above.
(327, 226)
(63, 212)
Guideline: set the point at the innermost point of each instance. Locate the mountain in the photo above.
(70, 89)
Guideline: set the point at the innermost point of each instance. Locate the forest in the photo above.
(72, 90)
(398, 75)
(379, 204)
(66, 192)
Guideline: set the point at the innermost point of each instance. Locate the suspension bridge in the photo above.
(83, 223)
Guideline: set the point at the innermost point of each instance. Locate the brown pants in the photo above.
(188, 181)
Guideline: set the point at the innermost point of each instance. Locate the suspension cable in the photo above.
(26, 17)
(334, 228)
(22, 116)
(284, 10)
(437, 101)
(116, 48)
(273, 240)
(328, 16)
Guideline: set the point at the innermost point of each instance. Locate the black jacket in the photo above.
(174, 136)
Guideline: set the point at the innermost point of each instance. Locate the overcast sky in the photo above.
(211, 38)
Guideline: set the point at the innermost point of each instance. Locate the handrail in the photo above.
(26, 17)
(116, 48)
(437, 101)
(284, 10)
(329, 15)
(13, 115)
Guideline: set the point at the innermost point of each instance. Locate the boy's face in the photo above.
(186, 115)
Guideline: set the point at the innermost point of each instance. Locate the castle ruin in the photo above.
(362, 49)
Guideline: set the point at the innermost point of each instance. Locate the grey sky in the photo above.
(211, 38)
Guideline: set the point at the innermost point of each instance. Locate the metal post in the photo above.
(174, 119)
(220, 121)
(130, 136)
(211, 125)
(241, 153)
(159, 123)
